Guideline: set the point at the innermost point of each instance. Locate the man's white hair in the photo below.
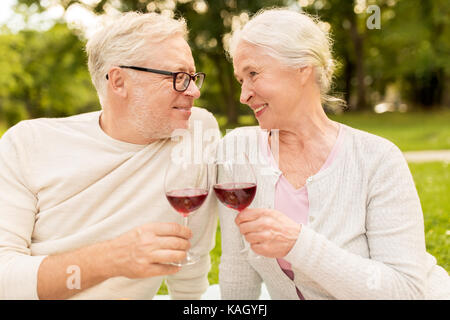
(123, 41)
(293, 38)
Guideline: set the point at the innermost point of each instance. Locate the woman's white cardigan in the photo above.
(365, 233)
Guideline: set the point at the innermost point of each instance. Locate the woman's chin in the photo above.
(265, 125)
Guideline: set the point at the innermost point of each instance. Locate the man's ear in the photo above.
(117, 82)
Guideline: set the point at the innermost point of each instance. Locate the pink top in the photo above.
(294, 202)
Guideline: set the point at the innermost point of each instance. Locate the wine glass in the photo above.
(186, 186)
(235, 186)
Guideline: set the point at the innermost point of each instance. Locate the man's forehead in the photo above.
(173, 53)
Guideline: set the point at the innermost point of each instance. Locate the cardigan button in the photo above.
(309, 179)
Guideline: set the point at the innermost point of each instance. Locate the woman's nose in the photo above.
(246, 94)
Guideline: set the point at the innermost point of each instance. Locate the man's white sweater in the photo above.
(65, 184)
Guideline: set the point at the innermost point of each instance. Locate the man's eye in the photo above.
(253, 73)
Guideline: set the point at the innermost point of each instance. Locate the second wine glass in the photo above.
(235, 186)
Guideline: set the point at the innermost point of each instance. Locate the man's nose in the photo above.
(192, 90)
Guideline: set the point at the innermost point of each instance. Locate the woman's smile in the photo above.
(260, 110)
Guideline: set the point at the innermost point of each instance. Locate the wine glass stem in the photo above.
(185, 223)
(244, 248)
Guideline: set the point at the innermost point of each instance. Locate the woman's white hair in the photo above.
(123, 41)
(293, 38)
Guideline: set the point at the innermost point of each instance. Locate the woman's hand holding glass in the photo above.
(269, 232)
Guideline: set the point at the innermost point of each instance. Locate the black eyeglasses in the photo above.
(181, 80)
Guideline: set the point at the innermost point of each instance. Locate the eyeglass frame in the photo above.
(168, 73)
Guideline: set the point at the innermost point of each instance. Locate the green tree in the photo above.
(416, 45)
(11, 79)
(411, 49)
(46, 75)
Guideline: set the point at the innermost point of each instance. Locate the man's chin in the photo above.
(180, 125)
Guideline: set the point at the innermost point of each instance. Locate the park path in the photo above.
(427, 156)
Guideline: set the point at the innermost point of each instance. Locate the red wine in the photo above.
(237, 196)
(186, 200)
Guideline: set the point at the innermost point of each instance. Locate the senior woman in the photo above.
(336, 214)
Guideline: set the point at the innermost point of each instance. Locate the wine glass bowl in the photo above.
(235, 186)
(186, 187)
(186, 201)
(237, 196)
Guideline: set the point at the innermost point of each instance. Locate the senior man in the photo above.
(82, 207)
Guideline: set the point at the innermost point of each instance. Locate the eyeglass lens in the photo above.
(183, 79)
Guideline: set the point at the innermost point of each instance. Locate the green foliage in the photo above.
(11, 79)
(44, 75)
(410, 51)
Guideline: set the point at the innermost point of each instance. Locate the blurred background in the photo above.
(393, 72)
(399, 63)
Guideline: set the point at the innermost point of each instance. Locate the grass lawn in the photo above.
(433, 185)
(409, 131)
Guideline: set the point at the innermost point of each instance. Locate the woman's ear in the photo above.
(305, 73)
